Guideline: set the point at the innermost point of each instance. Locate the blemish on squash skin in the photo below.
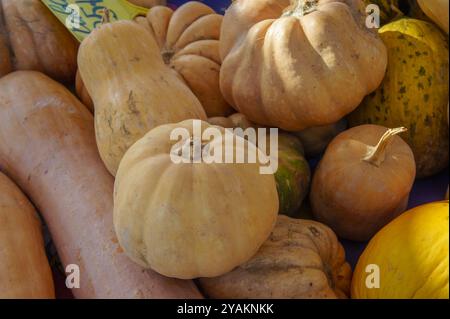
(314, 231)
(131, 102)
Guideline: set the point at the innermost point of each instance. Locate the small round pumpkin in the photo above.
(410, 255)
(301, 259)
(363, 181)
(189, 42)
(290, 64)
(414, 92)
(193, 219)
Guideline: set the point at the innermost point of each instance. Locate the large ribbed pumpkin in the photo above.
(414, 92)
(301, 259)
(296, 64)
(408, 258)
(189, 42)
(196, 218)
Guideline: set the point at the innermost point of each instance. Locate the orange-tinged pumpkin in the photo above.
(296, 64)
(363, 181)
(188, 39)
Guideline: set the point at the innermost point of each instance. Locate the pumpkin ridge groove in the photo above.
(185, 27)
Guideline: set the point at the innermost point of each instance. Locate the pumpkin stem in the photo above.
(377, 154)
(194, 155)
(106, 17)
(167, 56)
(301, 8)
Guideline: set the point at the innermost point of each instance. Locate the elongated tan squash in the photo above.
(24, 269)
(32, 38)
(132, 89)
(47, 146)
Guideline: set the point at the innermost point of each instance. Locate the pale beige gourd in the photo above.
(189, 42)
(301, 259)
(191, 220)
(132, 89)
(300, 63)
(363, 181)
(436, 10)
(24, 269)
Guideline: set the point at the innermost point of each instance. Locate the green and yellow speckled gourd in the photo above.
(414, 92)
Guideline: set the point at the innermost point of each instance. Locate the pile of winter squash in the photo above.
(86, 148)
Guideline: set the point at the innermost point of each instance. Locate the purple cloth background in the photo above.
(424, 191)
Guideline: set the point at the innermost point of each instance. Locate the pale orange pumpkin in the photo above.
(296, 64)
(189, 42)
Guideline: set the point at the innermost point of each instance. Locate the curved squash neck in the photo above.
(300, 8)
(377, 154)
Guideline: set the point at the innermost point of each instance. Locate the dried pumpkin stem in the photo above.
(377, 154)
(194, 155)
(301, 8)
(106, 17)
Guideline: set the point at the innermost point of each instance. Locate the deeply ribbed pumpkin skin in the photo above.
(412, 255)
(189, 42)
(414, 92)
(302, 259)
(191, 220)
(132, 89)
(292, 66)
(24, 269)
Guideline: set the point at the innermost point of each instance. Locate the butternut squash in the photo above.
(132, 89)
(47, 145)
(24, 269)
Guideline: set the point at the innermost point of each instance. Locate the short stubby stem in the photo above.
(167, 55)
(300, 8)
(377, 154)
(106, 18)
(191, 150)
